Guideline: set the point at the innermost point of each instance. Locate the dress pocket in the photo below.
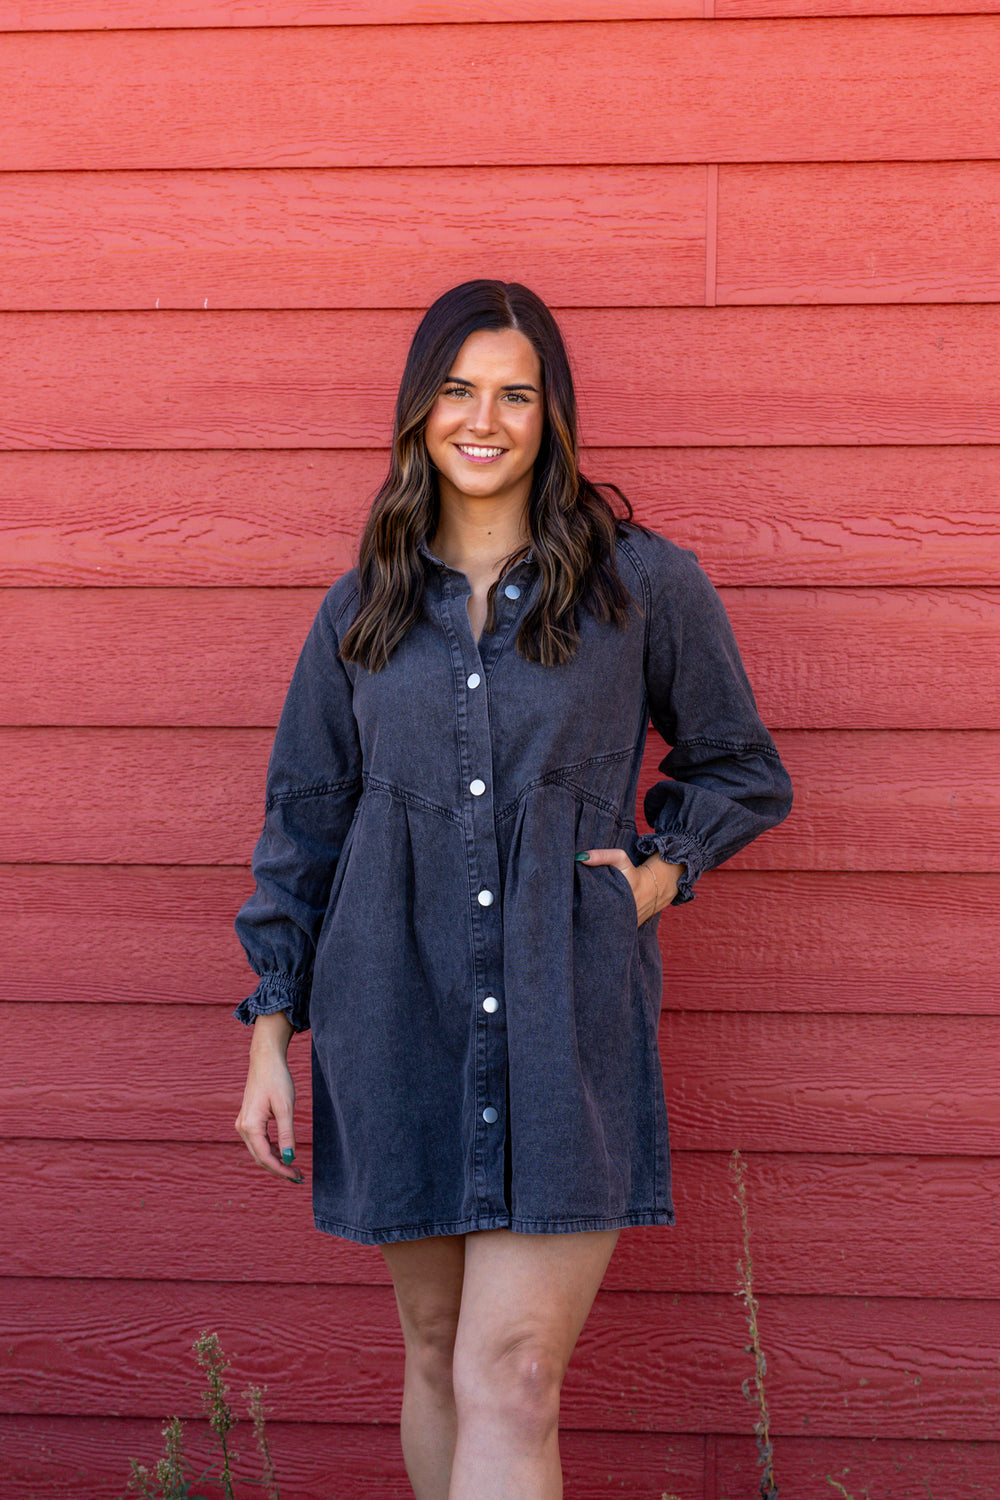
(620, 884)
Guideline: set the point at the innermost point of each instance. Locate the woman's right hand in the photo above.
(270, 1095)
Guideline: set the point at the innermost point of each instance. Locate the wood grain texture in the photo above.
(875, 800)
(853, 1084)
(579, 236)
(67, 15)
(757, 376)
(818, 659)
(850, 1367)
(48, 1458)
(826, 515)
(845, 89)
(893, 1226)
(752, 941)
(865, 232)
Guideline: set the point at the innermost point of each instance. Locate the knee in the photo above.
(430, 1353)
(517, 1384)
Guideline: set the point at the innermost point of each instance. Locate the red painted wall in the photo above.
(772, 236)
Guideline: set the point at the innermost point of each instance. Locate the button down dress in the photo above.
(483, 1007)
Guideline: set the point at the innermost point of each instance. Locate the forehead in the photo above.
(500, 356)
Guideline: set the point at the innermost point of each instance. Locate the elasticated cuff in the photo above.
(277, 992)
(676, 849)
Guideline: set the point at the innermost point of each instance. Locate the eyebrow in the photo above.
(457, 380)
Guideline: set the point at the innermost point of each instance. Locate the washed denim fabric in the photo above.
(484, 1008)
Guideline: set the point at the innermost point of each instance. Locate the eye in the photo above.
(518, 397)
(456, 390)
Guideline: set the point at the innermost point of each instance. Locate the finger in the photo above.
(286, 1141)
(616, 857)
(261, 1148)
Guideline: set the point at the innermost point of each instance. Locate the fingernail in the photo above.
(288, 1156)
(585, 855)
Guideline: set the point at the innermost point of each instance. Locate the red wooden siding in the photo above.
(770, 228)
(112, 933)
(819, 659)
(828, 515)
(867, 800)
(765, 376)
(911, 88)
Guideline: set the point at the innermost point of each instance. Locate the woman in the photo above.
(452, 893)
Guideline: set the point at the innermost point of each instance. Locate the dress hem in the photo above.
(395, 1233)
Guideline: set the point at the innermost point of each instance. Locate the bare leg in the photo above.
(525, 1299)
(427, 1277)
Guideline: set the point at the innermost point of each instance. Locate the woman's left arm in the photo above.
(724, 783)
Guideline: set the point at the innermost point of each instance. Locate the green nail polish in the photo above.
(582, 856)
(288, 1156)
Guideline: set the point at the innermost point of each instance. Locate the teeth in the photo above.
(480, 452)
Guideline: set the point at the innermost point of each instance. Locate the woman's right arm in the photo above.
(313, 786)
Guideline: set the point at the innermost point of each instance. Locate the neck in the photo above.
(479, 534)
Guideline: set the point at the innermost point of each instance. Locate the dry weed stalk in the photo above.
(756, 1396)
(171, 1478)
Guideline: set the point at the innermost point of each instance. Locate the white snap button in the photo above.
(491, 1004)
(512, 591)
(490, 1115)
(485, 898)
(477, 787)
(473, 680)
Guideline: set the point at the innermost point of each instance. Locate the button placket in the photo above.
(476, 770)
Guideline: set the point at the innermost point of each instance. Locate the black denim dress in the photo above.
(484, 1008)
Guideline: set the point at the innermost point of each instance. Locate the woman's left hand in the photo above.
(654, 882)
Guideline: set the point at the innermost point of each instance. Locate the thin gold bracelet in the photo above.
(656, 883)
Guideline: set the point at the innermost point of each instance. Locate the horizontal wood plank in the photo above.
(747, 376)
(580, 236)
(787, 9)
(834, 1225)
(752, 941)
(842, 1366)
(879, 232)
(68, 15)
(818, 659)
(855, 1084)
(329, 96)
(48, 1457)
(869, 1469)
(876, 800)
(827, 515)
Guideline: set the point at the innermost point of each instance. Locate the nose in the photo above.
(483, 418)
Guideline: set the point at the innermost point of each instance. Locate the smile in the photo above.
(479, 455)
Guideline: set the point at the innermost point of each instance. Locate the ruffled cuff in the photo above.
(676, 849)
(277, 992)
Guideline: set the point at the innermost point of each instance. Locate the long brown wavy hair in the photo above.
(572, 527)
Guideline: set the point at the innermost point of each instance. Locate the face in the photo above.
(484, 430)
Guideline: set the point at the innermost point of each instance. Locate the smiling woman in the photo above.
(453, 894)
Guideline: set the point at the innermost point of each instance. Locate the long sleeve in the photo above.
(726, 783)
(313, 786)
